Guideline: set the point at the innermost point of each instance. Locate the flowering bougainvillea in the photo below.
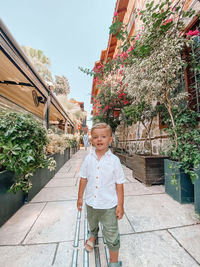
(107, 105)
(149, 64)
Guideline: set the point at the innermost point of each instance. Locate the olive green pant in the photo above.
(109, 221)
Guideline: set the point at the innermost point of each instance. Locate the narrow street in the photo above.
(48, 231)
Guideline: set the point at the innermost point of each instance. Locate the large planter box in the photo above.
(39, 179)
(197, 193)
(147, 169)
(73, 150)
(183, 192)
(9, 202)
(43, 175)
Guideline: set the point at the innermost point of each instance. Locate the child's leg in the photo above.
(114, 255)
(111, 233)
(93, 220)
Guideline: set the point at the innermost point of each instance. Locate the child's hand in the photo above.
(79, 204)
(119, 211)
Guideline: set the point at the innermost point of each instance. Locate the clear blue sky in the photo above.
(71, 33)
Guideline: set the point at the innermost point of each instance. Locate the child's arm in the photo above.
(81, 190)
(120, 206)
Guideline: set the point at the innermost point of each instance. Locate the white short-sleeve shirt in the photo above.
(102, 176)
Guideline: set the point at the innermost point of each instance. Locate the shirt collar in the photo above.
(108, 153)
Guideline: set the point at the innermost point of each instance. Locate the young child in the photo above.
(102, 175)
(86, 141)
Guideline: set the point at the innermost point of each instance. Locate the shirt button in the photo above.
(97, 168)
(97, 177)
(94, 196)
(96, 186)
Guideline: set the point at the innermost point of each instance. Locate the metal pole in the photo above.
(47, 110)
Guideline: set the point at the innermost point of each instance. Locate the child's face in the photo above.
(101, 138)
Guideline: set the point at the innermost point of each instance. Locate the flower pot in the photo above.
(39, 179)
(197, 192)
(147, 169)
(66, 154)
(9, 202)
(183, 192)
(43, 175)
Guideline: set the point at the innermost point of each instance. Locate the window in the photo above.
(193, 73)
(130, 24)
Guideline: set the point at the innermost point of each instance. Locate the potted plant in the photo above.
(182, 169)
(72, 142)
(22, 151)
(147, 167)
(57, 148)
(197, 190)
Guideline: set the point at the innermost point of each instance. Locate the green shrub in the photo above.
(187, 152)
(23, 140)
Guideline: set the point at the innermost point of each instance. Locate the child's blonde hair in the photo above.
(101, 125)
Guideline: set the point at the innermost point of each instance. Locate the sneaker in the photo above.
(115, 264)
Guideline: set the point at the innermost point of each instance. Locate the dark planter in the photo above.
(60, 160)
(43, 175)
(9, 202)
(73, 150)
(197, 192)
(147, 169)
(183, 192)
(39, 179)
(67, 154)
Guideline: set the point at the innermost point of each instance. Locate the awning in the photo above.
(19, 78)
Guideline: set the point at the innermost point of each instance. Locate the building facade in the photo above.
(128, 136)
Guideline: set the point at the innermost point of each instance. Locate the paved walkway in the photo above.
(48, 231)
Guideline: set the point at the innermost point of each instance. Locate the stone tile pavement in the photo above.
(156, 231)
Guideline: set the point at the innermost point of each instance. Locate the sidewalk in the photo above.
(156, 231)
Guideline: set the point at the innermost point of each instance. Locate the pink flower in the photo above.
(173, 9)
(138, 36)
(124, 55)
(130, 49)
(192, 33)
(116, 56)
(115, 14)
(167, 21)
(96, 80)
